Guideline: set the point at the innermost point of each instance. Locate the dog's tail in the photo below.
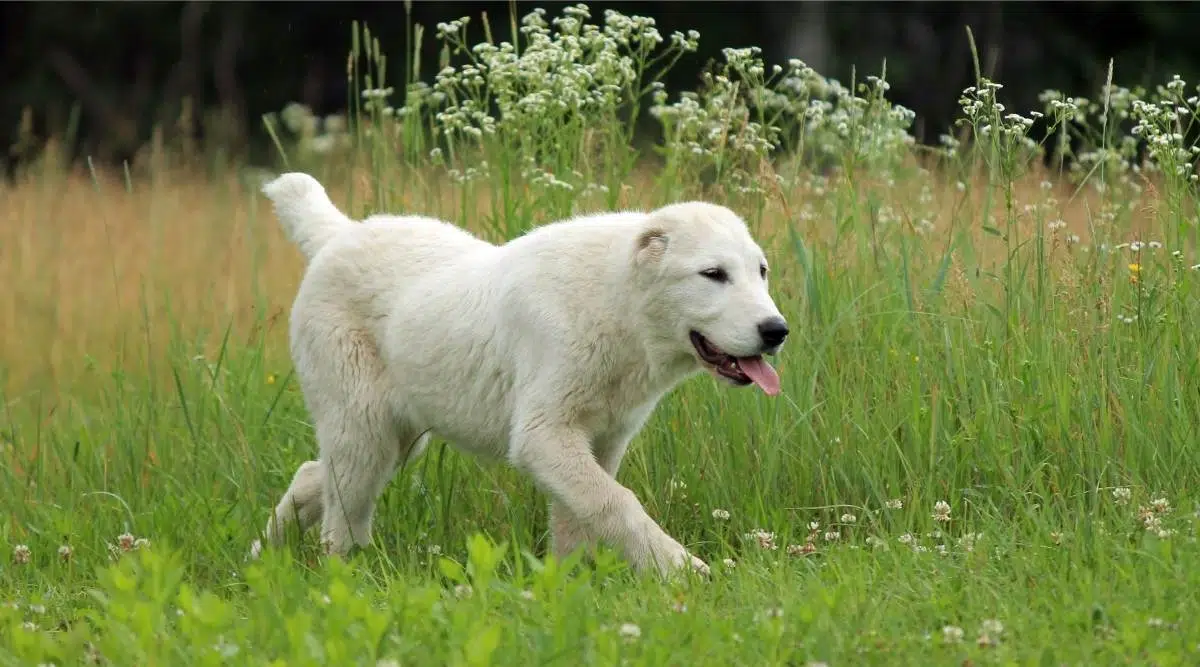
(308, 216)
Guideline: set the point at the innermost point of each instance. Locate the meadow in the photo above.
(982, 453)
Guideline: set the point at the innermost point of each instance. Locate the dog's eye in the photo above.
(762, 271)
(718, 275)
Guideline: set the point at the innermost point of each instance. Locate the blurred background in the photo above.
(110, 73)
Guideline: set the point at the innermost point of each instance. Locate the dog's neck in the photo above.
(668, 364)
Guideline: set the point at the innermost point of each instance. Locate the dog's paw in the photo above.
(672, 559)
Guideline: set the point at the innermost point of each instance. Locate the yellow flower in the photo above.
(270, 378)
(1134, 271)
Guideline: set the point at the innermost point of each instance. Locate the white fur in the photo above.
(549, 352)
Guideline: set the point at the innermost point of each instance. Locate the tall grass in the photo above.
(982, 451)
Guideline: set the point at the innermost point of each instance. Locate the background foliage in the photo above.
(132, 67)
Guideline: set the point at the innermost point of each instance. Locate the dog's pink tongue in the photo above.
(757, 369)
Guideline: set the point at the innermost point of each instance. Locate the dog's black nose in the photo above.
(773, 331)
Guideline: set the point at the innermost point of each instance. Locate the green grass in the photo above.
(951, 345)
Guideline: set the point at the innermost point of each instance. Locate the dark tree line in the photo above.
(129, 67)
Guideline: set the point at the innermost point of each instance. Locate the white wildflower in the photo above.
(765, 539)
(630, 631)
(941, 511)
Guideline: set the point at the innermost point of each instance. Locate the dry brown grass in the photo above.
(96, 272)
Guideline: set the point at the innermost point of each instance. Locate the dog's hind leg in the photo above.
(301, 504)
(360, 453)
(359, 436)
(304, 502)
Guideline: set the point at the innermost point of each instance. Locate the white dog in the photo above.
(549, 351)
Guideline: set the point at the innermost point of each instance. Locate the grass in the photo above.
(982, 454)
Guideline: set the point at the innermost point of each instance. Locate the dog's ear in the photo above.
(651, 245)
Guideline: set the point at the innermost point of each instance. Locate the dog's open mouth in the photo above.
(740, 370)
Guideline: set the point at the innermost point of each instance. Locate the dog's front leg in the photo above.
(561, 462)
(566, 532)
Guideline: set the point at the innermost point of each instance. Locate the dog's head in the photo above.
(704, 282)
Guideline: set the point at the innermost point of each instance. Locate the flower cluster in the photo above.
(745, 112)
(1151, 517)
(1161, 124)
(1126, 133)
(126, 542)
(315, 135)
(555, 99)
(715, 128)
(1006, 134)
(990, 632)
